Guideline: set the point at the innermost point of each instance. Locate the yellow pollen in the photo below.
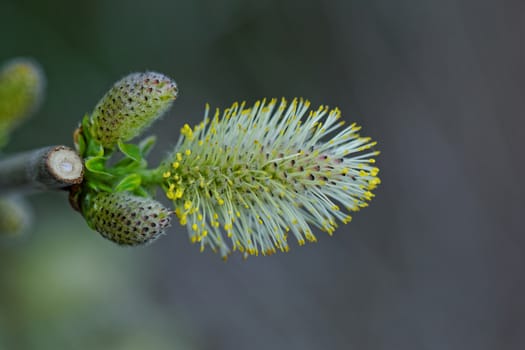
(187, 131)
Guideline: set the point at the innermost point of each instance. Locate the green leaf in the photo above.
(86, 126)
(129, 183)
(94, 149)
(93, 186)
(141, 192)
(147, 144)
(97, 165)
(126, 163)
(105, 188)
(99, 187)
(80, 144)
(130, 150)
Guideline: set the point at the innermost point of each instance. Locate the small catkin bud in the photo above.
(15, 216)
(126, 219)
(22, 84)
(130, 106)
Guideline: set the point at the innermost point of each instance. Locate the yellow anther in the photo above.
(188, 152)
(311, 238)
(347, 219)
(375, 181)
(175, 165)
(187, 131)
(166, 174)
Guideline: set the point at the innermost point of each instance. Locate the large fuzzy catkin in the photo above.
(126, 219)
(130, 106)
(21, 88)
(260, 175)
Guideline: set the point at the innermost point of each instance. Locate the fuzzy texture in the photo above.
(21, 88)
(126, 219)
(130, 106)
(258, 175)
(15, 216)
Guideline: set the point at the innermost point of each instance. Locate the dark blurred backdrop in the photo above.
(437, 260)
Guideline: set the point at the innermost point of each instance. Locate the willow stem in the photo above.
(48, 168)
(151, 177)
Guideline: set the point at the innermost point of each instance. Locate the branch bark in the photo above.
(48, 168)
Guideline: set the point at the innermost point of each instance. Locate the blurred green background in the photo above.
(437, 260)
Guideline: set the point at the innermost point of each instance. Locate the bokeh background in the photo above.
(437, 260)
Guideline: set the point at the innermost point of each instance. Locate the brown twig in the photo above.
(48, 168)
